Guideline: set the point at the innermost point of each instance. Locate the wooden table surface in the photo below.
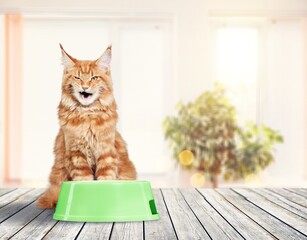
(184, 214)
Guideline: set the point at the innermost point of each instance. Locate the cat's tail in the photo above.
(49, 198)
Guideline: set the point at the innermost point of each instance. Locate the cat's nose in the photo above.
(85, 85)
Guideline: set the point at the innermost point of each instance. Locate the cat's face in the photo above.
(86, 81)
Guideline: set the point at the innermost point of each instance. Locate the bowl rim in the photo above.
(105, 182)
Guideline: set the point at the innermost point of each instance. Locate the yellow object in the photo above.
(197, 180)
(186, 157)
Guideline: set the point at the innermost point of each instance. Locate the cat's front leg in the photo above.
(106, 166)
(78, 167)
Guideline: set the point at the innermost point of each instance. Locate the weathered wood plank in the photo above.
(184, 214)
(5, 191)
(299, 191)
(12, 196)
(277, 228)
(127, 231)
(291, 195)
(295, 221)
(18, 203)
(12, 225)
(38, 227)
(64, 230)
(185, 223)
(283, 202)
(95, 231)
(162, 228)
(246, 226)
(215, 224)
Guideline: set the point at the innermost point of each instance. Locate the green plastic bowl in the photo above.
(106, 201)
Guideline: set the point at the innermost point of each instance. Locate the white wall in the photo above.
(1, 98)
(304, 29)
(257, 7)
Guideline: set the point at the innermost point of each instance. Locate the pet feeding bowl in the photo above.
(106, 201)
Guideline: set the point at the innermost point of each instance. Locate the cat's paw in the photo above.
(129, 175)
(101, 178)
(127, 178)
(111, 175)
(106, 174)
(83, 178)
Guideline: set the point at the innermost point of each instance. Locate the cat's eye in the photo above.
(76, 77)
(94, 78)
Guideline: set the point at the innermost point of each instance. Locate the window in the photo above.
(283, 98)
(143, 94)
(261, 64)
(237, 67)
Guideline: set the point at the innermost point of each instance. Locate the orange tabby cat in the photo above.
(88, 145)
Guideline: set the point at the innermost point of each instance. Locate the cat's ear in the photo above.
(67, 60)
(105, 60)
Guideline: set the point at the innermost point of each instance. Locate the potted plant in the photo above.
(208, 129)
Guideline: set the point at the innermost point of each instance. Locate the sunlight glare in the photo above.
(186, 157)
(237, 54)
(197, 180)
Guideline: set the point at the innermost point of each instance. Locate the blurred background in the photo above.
(164, 52)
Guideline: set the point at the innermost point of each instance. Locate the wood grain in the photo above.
(283, 202)
(38, 227)
(291, 196)
(12, 196)
(5, 191)
(266, 221)
(214, 223)
(186, 224)
(284, 215)
(18, 203)
(246, 226)
(19, 221)
(127, 231)
(298, 191)
(95, 231)
(64, 230)
(162, 228)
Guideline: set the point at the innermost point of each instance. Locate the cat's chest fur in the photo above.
(90, 131)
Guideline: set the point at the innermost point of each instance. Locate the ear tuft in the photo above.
(105, 60)
(67, 60)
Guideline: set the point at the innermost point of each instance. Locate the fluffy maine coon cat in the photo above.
(88, 146)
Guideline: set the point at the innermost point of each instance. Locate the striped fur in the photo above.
(88, 146)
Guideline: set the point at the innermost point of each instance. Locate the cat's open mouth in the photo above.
(85, 94)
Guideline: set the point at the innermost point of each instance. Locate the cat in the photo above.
(88, 146)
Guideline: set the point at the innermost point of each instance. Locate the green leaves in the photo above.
(208, 128)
